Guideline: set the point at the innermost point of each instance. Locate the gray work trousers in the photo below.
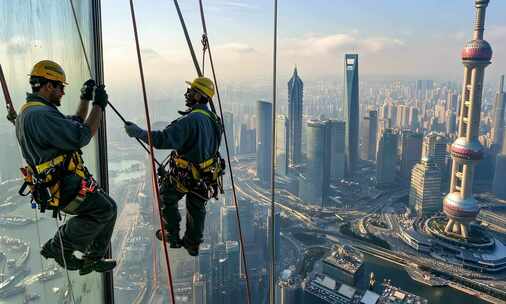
(195, 213)
(90, 230)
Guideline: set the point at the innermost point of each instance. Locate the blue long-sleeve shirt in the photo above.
(195, 136)
(44, 133)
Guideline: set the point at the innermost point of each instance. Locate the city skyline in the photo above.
(387, 188)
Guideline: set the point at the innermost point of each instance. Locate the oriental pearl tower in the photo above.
(459, 205)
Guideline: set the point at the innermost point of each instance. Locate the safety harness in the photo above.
(204, 179)
(45, 181)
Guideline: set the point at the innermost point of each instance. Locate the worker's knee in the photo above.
(107, 206)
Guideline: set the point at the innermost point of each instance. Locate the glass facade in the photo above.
(31, 31)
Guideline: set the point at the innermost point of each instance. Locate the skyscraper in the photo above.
(370, 138)
(414, 120)
(425, 193)
(229, 129)
(264, 141)
(498, 116)
(460, 205)
(228, 221)
(247, 140)
(351, 111)
(386, 158)
(411, 152)
(282, 144)
(337, 131)
(500, 173)
(199, 289)
(317, 171)
(295, 102)
(452, 101)
(435, 148)
(289, 288)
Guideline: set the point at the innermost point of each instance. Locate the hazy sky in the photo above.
(420, 39)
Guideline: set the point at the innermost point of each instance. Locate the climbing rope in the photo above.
(152, 154)
(272, 271)
(71, 289)
(76, 21)
(234, 193)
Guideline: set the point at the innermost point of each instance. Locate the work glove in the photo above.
(133, 130)
(87, 89)
(101, 98)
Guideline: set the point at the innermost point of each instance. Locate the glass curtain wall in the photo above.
(31, 31)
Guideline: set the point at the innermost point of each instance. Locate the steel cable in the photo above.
(234, 193)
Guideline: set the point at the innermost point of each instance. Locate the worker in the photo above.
(56, 176)
(195, 165)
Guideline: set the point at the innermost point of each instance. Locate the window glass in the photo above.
(31, 31)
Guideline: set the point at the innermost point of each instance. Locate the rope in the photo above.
(234, 193)
(11, 112)
(69, 282)
(187, 37)
(76, 21)
(272, 271)
(151, 154)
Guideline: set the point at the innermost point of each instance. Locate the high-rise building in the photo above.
(411, 152)
(295, 108)
(317, 172)
(289, 290)
(460, 205)
(386, 159)
(500, 173)
(414, 120)
(435, 148)
(452, 101)
(247, 140)
(403, 117)
(498, 116)
(277, 237)
(282, 144)
(351, 111)
(199, 292)
(392, 122)
(229, 224)
(370, 138)
(425, 197)
(451, 122)
(422, 88)
(499, 177)
(228, 122)
(337, 131)
(264, 141)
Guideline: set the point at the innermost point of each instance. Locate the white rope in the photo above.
(69, 282)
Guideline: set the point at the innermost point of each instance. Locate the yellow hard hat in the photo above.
(203, 85)
(49, 70)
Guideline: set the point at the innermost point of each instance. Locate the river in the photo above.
(400, 278)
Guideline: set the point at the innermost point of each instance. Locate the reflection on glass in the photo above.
(31, 31)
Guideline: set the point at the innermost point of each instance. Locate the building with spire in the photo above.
(459, 205)
(295, 109)
(351, 112)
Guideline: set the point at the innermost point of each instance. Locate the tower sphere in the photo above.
(478, 50)
(467, 151)
(456, 207)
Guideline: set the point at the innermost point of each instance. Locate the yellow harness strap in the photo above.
(30, 104)
(75, 165)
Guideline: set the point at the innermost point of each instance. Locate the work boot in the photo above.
(173, 239)
(98, 265)
(191, 246)
(69, 259)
